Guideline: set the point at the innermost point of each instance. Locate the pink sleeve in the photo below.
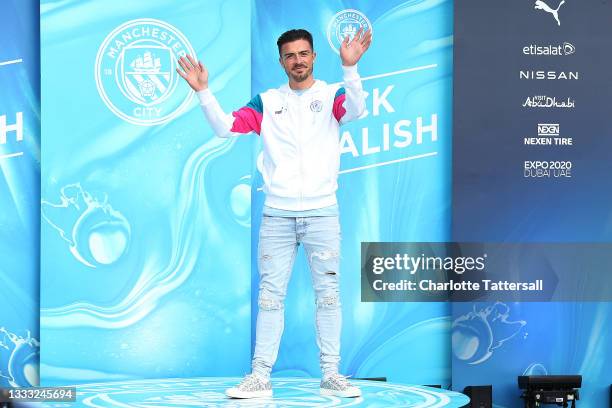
(246, 120)
(338, 108)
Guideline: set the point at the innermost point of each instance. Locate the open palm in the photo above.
(194, 72)
(351, 52)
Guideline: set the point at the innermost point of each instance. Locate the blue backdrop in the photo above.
(394, 182)
(146, 226)
(146, 216)
(145, 213)
(19, 192)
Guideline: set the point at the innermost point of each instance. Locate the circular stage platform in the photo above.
(288, 392)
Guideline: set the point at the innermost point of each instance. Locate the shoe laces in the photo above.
(250, 382)
(339, 380)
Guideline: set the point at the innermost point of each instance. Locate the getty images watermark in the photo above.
(403, 272)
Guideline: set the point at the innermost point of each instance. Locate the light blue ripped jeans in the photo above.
(279, 238)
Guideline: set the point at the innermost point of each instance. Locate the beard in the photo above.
(300, 77)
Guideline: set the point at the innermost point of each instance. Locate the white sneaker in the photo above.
(251, 386)
(338, 386)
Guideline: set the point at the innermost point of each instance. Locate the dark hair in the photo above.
(293, 35)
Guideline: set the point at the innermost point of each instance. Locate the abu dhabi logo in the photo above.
(543, 101)
(541, 5)
(136, 71)
(346, 23)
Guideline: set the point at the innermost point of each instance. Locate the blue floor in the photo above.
(288, 392)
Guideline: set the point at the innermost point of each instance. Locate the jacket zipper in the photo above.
(299, 143)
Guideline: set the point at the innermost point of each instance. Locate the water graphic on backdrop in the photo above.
(240, 201)
(535, 369)
(101, 234)
(95, 232)
(19, 360)
(477, 334)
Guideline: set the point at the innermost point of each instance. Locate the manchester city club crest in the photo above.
(346, 23)
(136, 72)
(316, 106)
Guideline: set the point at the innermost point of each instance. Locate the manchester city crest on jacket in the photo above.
(316, 106)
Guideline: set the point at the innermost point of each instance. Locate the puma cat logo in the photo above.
(540, 5)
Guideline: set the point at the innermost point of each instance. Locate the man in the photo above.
(299, 123)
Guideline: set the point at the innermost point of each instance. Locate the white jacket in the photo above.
(301, 148)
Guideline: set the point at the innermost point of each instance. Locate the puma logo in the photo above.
(540, 5)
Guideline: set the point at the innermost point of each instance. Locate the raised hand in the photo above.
(195, 73)
(351, 52)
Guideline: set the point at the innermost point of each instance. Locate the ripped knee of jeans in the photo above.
(268, 304)
(328, 301)
(324, 255)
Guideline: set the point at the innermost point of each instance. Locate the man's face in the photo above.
(297, 59)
